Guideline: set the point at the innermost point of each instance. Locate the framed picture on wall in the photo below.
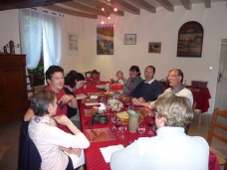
(130, 39)
(105, 43)
(72, 44)
(190, 40)
(154, 47)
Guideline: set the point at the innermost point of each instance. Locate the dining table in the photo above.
(113, 132)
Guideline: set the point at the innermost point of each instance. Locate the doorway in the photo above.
(221, 92)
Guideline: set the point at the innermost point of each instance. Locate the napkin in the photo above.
(109, 150)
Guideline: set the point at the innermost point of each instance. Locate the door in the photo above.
(221, 92)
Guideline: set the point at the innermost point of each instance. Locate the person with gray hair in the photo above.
(172, 148)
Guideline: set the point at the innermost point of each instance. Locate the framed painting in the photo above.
(154, 47)
(130, 39)
(190, 40)
(105, 45)
(73, 44)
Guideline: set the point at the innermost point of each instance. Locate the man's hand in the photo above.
(65, 99)
(81, 96)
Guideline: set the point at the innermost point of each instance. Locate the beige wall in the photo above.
(9, 28)
(162, 26)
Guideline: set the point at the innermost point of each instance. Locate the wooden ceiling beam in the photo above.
(84, 8)
(98, 4)
(17, 4)
(121, 4)
(144, 4)
(70, 12)
(207, 3)
(166, 4)
(187, 4)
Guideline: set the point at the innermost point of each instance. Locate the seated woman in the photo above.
(53, 143)
(133, 80)
(95, 76)
(73, 82)
(119, 78)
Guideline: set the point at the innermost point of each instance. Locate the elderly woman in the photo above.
(52, 142)
(171, 148)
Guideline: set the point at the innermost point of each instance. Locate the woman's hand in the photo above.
(75, 151)
(63, 120)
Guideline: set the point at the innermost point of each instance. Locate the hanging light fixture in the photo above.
(115, 9)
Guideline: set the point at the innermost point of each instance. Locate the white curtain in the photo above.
(31, 36)
(51, 40)
(39, 30)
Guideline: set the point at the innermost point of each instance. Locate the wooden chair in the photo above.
(214, 132)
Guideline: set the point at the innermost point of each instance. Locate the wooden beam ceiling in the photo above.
(84, 8)
(187, 4)
(207, 3)
(69, 11)
(121, 4)
(98, 4)
(17, 4)
(166, 4)
(144, 4)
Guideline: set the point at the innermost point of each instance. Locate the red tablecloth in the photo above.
(94, 159)
(93, 156)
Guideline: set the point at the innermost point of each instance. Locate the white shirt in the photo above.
(185, 92)
(171, 149)
(47, 138)
(150, 81)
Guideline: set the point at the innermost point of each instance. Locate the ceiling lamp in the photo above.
(115, 9)
(102, 9)
(109, 17)
(102, 22)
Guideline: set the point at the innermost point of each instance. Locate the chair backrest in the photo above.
(218, 128)
(29, 157)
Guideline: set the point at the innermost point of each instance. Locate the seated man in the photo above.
(133, 80)
(149, 89)
(175, 79)
(55, 81)
(171, 148)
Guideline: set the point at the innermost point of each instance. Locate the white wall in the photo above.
(162, 26)
(9, 28)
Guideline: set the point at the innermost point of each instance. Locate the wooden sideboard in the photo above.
(13, 93)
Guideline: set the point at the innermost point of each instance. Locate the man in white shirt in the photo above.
(175, 79)
(171, 149)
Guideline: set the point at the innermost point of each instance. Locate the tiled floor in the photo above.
(9, 136)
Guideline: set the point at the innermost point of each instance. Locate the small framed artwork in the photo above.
(190, 40)
(130, 39)
(73, 44)
(154, 47)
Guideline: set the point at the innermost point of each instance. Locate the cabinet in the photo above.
(13, 94)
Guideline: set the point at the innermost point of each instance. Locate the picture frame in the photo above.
(72, 44)
(190, 40)
(130, 39)
(154, 47)
(105, 39)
